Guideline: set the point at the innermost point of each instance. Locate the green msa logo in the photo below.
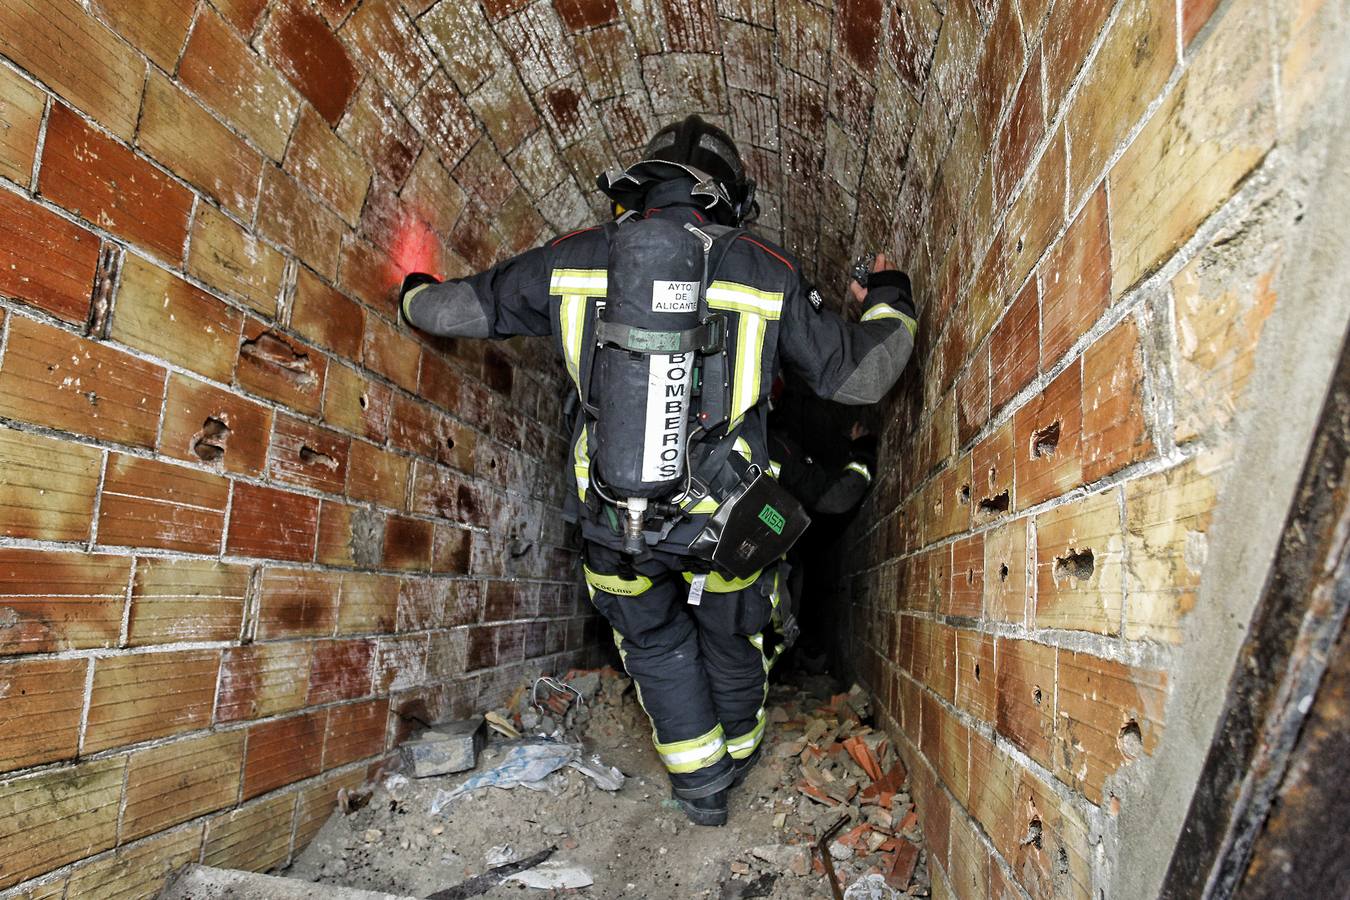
(773, 518)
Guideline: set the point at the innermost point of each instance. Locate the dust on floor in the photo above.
(820, 764)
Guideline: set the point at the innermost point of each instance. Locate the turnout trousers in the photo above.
(699, 668)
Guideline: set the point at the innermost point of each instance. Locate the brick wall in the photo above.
(1097, 201)
(247, 520)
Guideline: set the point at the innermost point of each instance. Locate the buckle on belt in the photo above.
(714, 334)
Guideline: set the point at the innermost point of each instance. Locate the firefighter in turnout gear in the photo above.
(672, 321)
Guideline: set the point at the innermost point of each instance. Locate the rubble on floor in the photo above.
(588, 810)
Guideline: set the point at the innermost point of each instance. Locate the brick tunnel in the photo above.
(248, 520)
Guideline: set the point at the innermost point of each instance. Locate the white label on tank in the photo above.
(669, 380)
(674, 296)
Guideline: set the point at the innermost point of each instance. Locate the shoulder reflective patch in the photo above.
(578, 282)
(729, 295)
(816, 300)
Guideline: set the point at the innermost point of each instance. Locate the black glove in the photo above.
(411, 281)
(891, 286)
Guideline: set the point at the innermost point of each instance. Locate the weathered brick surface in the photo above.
(297, 602)
(143, 696)
(47, 487)
(45, 260)
(21, 107)
(255, 837)
(283, 751)
(259, 680)
(105, 183)
(42, 706)
(305, 50)
(180, 781)
(203, 423)
(142, 869)
(1080, 565)
(60, 601)
(186, 600)
(233, 261)
(147, 503)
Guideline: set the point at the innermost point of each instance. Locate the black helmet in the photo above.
(701, 150)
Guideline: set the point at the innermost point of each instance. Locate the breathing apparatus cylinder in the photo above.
(644, 378)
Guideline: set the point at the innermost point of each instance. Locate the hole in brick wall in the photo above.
(1003, 572)
(364, 401)
(999, 503)
(492, 464)
(965, 493)
(1044, 441)
(209, 444)
(311, 457)
(1036, 695)
(449, 443)
(1033, 835)
(1076, 564)
(270, 351)
(977, 671)
(1063, 859)
(970, 576)
(1131, 740)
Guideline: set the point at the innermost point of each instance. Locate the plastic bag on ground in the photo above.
(605, 777)
(554, 874)
(526, 763)
(871, 887)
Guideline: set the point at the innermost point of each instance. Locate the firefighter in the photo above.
(690, 630)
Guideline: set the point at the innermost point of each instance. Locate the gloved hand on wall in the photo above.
(885, 285)
(411, 282)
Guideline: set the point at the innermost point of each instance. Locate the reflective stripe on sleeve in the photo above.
(581, 465)
(886, 311)
(576, 288)
(861, 470)
(578, 282)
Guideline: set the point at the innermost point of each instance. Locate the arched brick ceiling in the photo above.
(526, 100)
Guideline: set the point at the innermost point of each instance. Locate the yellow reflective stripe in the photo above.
(882, 311)
(407, 299)
(719, 585)
(706, 505)
(581, 464)
(693, 754)
(860, 469)
(743, 746)
(613, 584)
(742, 446)
(749, 351)
(572, 317)
(579, 282)
(728, 295)
(775, 469)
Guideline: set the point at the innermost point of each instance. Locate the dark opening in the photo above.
(209, 444)
(1076, 564)
(1044, 441)
(999, 503)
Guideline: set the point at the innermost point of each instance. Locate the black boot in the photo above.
(709, 810)
(740, 768)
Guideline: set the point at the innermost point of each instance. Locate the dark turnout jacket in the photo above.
(774, 319)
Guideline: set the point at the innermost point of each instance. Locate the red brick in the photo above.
(1080, 550)
(337, 538)
(387, 45)
(1069, 35)
(992, 474)
(1194, 15)
(54, 378)
(273, 524)
(181, 134)
(97, 178)
(355, 731)
(377, 475)
(505, 109)
(993, 783)
(163, 315)
(309, 456)
(579, 15)
(1077, 278)
(1021, 133)
(954, 759)
(967, 590)
(369, 603)
(48, 487)
(158, 28)
(357, 403)
(450, 550)
(1036, 215)
(189, 433)
(317, 801)
(41, 708)
(1005, 572)
(228, 76)
(259, 680)
(298, 602)
(21, 109)
(242, 14)
(305, 50)
(180, 781)
(283, 752)
(976, 679)
(255, 837)
(280, 369)
(60, 601)
(148, 503)
(1109, 714)
(341, 670)
(1052, 418)
(45, 260)
(326, 316)
(1015, 346)
(1026, 696)
(972, 398)
(186, 600)
(407, 544)
(1115, 432)
(290, 216)
(141, 696)
(79, 57)
(391, 352)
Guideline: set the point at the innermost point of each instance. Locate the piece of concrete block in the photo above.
(446, 748)
(207, 883)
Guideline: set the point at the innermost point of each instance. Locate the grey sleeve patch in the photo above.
(877, 371)
(450, 309)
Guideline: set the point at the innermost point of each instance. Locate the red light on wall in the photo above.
(416, 249)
